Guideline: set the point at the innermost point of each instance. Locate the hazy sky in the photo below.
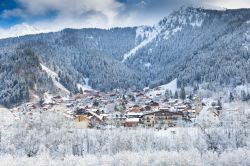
(53, 15)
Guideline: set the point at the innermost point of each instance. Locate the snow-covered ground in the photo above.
(161, 89)
(6, 117)
(86, 86)
(149, 38)
(55, 77)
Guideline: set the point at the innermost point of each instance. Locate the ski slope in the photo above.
(55, 77)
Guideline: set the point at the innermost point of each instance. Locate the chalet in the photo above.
(191, 113)
(139, 95)
(69, 105)
(82, 121)
(46, 106)
(132, 122)
(118, 119)
(134, 115)
(95, 119)
(57, 99)
(180, 107)
(82, 111)
(153, 105)
(173, 102)
(147, 108)
(135, 108)
(31, 106)
(219, 108)
(149, 120)
(78, 96)
(198, 105)
(163, 117)
(164, 108)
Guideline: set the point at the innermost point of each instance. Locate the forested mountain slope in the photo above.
(193, 45)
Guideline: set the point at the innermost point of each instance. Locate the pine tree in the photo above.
(243, 96)
(171, 94)
(190, 97)
(176, 95)
(219, 103)
(248, 97)
(182, 93)
(81, 91)
(167, 94)
(231, 97)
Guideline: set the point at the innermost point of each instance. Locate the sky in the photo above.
(18, 17)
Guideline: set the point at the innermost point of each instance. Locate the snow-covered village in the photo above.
(152, 120)
(124, 83)
(158, 108)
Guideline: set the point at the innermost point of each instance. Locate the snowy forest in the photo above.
(47, 138)
(194, 45)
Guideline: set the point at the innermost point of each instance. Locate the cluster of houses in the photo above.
(129, 109)
(94, 109)
(152, 114)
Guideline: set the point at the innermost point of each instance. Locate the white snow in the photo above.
(161, 89)
(140, 32)
(246, 46)
(18, 30)
(48, 98)
(86, 86)
(166, 35)
(242, 87)
(177, 29)
(89, 37)
(149, 38)
(133, 120)
(6, 117)
(197, 23)
(54, 77)
(147, 65)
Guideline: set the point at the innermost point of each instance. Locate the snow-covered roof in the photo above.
(132, 120)
(134, 114)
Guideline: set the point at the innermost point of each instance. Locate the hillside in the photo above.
(192, 45)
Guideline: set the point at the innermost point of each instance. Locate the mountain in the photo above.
(18, 30)
(196, 46)
(193, 45)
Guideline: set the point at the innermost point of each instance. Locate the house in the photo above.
(135, 108)
(82, 121)
(95, 119)
(149, 120)
(147, 108)
(132, 122)
(198, 105)
(163, 117)
(57, 99)
(118, 119)
(180, 107)
(30, 106)
(82, 111)
(191, 113)
(134, 115)
(68, 105)
(154, 105)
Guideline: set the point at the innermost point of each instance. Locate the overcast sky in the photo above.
(53, 15)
